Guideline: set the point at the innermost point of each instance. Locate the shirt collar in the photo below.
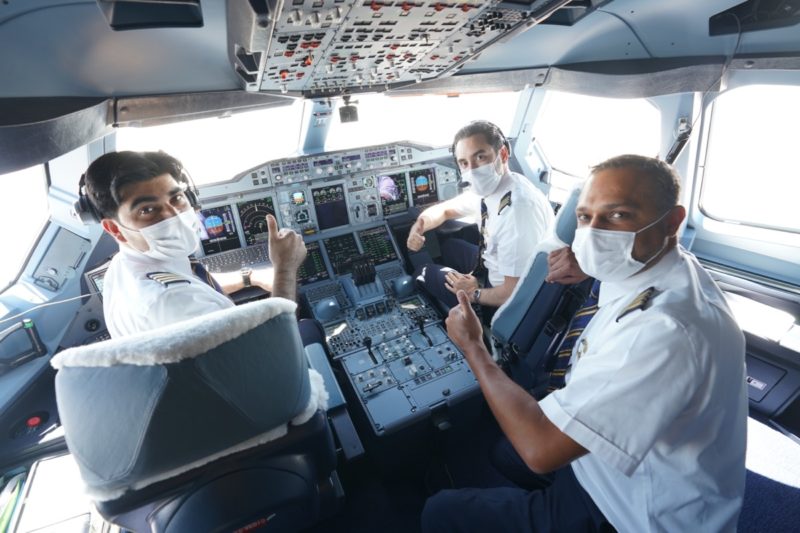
(652, 277)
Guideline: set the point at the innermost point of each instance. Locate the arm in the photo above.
(492, 296)
(232, 281)
(429, 219)
(538, 442)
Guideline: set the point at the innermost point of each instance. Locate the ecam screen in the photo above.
(394, 193)
(313, 268)
(378, 245)
(330, 205)
(217, 230)
(423, 186)
(340, 250)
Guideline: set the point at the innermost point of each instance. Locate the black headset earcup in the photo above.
(191, 195)
(86, 210)
(84, 207)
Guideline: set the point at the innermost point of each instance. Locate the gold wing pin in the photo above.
(640, 302)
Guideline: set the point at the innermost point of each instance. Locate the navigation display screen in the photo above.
(394, 193)
(217, 230)
(340, 250)
(253, 214)
(331, 206)
(313, 268)
(378, 245)
(423, 186)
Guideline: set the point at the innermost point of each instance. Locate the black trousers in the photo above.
(457, 254)
(549, 503)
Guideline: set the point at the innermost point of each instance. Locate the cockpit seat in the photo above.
(527, 327)
(216, 423)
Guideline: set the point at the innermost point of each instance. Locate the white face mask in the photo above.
(485, 178)
(173, 237)
(606, 255)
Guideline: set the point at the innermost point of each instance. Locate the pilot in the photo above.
(512, 214)
(649, 432)
(145, 204)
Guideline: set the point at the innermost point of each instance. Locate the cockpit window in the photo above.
(216, 149)
(431, 119)
(24, 203)
(751, 164)
(576, 132)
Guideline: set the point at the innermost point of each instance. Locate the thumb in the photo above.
(272, 225)
(463, 301)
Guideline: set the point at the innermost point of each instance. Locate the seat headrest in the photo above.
(175, 342)
(565, 220)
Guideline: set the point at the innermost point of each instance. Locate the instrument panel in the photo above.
(318, 196)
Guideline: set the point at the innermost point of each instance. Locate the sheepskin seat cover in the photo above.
(144, 408)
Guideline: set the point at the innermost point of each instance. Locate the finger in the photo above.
(272, 224)
(463, 301)
(451, 289)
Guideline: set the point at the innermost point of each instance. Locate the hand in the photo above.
(415, 238)
(287, 251)
(456, 281)
(463, 325)
(563, 267)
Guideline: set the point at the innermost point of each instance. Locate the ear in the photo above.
(504, 155)
(111, 227)
(675, 219)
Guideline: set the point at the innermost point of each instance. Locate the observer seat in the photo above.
(215, 422)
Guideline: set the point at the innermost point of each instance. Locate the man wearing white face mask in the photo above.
(144, 202)
(647, 429)
(510, 211)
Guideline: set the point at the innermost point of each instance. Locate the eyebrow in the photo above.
(473, 154)
(630, 205)
(144, 199)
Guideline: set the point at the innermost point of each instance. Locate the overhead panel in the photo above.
(332, 47)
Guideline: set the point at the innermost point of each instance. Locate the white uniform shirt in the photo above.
(658, 398)
(133, 303)
(513, 231)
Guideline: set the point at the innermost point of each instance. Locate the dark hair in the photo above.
(490, 132)
(110, 173)
(664, 178)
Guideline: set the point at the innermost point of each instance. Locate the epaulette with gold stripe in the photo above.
(505, 201)
(640, 302)
(167, 278)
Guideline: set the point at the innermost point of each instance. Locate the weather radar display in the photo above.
(253, 214)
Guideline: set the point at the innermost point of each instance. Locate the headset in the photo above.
(461, 183)
(88, 213)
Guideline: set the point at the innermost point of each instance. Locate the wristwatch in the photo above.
(246, 272)
(476, 296)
